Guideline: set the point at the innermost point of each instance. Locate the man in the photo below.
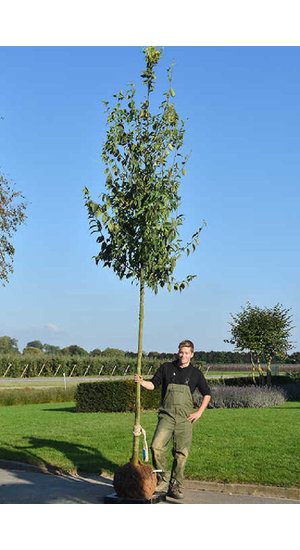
(179, 380)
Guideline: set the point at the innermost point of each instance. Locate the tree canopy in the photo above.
(264, 332)
(8, 345)
(137, 220)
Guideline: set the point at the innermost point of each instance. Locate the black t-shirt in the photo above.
(172, 373)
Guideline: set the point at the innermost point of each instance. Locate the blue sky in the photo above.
(243, 126)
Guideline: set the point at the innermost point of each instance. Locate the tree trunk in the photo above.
(136, 438)
(269, 377)
(253, 369)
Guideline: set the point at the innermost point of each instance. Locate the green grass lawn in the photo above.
(233, 445)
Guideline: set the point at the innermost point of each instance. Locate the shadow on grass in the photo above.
(71, 409)
(84, 459)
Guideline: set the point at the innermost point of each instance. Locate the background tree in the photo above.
(12, 214)
(74, 350)
(49, 348)
(264, 332)
(137, 221)
(8, 345)
(95, 352)
(35, 344)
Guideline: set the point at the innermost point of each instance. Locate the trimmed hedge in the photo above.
(119, 395)
(113, 396)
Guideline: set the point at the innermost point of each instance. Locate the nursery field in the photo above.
(229, 445)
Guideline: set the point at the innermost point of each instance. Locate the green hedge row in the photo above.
(119, 395)
(113, 396)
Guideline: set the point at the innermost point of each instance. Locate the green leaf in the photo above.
(172, 92)
(183, 171)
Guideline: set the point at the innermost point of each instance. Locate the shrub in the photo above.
(242, 396)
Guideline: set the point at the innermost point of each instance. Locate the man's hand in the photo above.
(144, 383)
(194, 417)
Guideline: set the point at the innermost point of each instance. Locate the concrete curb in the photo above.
(243, 489)
(292, 493)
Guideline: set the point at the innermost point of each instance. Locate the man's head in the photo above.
(185, 352)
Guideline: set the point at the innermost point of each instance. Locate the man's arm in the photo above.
(145, 383)
(194, 416)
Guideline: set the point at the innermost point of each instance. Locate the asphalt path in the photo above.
(27, 485)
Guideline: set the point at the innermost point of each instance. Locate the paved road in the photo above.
(58, 381)
(25, 486)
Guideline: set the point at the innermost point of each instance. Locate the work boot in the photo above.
(175, 490)
(161, 487)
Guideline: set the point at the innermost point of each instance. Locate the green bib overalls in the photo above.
(173, 422)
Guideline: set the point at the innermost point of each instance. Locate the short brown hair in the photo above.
(186, 344)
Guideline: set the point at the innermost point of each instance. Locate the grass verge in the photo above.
(31, 396)
(229, 445)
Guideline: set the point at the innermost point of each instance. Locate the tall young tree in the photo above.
(12, 214)
(137, 221)
(264, 332)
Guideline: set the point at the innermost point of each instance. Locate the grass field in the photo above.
(233, 445)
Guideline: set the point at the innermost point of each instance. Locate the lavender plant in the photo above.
(234, 397)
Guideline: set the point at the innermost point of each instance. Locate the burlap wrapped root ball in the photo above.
(135, 481)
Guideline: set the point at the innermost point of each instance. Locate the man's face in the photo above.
(185, 354)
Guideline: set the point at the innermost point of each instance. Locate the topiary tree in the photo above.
(137, 221)
(264, 332)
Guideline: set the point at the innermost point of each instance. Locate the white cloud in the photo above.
(52, 327)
